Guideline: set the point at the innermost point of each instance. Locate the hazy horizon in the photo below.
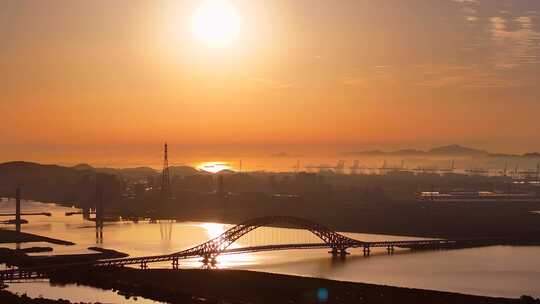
(277, 160)
(108, 83)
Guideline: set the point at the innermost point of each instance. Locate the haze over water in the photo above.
(107, 83)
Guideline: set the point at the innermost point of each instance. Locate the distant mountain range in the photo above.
(449, 150)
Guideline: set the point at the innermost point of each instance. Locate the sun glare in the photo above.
(213, 229)
(216, 23)
(213, 167)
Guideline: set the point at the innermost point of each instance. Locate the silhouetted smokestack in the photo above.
(18, 209)
(99, 206)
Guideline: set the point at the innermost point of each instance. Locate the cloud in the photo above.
(469, 10)
(495, 50)
(436, 76)
(467, 77)
(514, 48)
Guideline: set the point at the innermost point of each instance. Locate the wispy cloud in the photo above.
(465, 77)
(435, 76)
(496, 50)
(517, 47)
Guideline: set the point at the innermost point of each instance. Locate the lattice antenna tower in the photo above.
(165, 176)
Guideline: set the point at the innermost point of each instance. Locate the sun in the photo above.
(216, 23)
(213, 167)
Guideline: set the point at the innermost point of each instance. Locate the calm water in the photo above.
(495, 271)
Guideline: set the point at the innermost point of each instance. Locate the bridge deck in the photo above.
(40, 272)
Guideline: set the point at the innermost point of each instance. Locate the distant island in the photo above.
(453, 150)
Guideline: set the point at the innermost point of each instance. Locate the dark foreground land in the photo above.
(7, 297)
(233, 286)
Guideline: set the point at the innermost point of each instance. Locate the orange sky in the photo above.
(98, 80)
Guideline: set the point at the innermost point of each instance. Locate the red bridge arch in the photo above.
(216, 246)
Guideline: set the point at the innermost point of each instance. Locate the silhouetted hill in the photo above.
(44, 182)
(21, 169)
(227, 171)
(450, 150)
(130, 173)
(83, 167)
(183, 170)
(456, 150)
(409, 152)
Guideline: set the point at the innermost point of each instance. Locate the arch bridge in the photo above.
(220, 244)
(208, 251)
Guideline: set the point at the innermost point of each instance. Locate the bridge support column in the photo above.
(390, 249)
(175, 263)
(367, 251)
(343, 252)
(144, 265)
(209, 260)
(338, 252)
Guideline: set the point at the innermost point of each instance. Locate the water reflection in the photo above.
(213, 230)
(74, 293)
(165, 229)
(99, 235)
(497, 271)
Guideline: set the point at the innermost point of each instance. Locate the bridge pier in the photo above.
(367, 251)
(209, 259)
(144, 265)
(175, 263)
(336, 251)
(390, 249)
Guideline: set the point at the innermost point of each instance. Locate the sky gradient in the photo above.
(108, 81)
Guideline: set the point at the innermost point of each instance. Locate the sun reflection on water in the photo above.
(214, 230)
